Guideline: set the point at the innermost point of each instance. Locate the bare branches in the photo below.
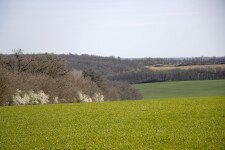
(49, 64)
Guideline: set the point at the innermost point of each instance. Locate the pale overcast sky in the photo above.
(125, 28)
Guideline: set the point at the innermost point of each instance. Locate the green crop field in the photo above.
(180, 89)
(179, 123)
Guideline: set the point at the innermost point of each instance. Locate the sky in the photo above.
(121, 28)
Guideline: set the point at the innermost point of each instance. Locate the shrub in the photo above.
(98, 97)
(30, 98)
(86, 98)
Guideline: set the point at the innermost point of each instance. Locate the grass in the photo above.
(180, 89)
(179, 123)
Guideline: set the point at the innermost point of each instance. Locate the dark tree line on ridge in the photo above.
(171, 75)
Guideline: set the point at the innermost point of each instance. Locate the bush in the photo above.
(85, 98)
(30, 98)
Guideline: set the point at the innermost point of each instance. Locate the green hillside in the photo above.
(182, 89)
(188, 123)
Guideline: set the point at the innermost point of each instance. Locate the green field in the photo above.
(180, 89)
(187, 123)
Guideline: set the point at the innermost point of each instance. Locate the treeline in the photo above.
(102, 65)
(180, 61)
(135, 71)
(109, 66)
(146, 76)
(47, 78)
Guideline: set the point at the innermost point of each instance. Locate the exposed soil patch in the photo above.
(185, 67)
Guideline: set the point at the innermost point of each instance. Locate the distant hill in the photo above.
(135, 71)
(106, 66)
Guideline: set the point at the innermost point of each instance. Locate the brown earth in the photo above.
(165, 68)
